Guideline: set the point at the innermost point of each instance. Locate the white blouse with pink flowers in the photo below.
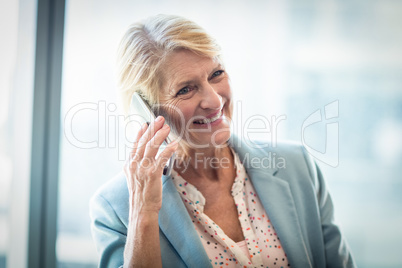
(261, 247)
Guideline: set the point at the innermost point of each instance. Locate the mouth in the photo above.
(209, 120)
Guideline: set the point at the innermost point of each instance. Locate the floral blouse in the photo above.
(261, 247)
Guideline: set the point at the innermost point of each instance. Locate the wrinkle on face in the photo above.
(178, 75)
(195, 71)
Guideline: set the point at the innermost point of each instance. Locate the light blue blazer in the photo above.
(294, 196)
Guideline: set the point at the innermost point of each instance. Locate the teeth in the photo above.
(209, 120)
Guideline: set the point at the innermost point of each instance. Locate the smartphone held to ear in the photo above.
(141, 108)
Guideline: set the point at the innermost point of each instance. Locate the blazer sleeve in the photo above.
(108, 232)
(337, 252)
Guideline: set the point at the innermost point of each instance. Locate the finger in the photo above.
(137, 138)
(153, 145)
(166, 154)
(149, 133)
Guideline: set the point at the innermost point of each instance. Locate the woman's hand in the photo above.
(144, 170)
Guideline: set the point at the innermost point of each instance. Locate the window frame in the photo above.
(46, 124)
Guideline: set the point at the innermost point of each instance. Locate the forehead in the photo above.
(184, 65)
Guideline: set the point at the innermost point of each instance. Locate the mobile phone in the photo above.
(141, 108)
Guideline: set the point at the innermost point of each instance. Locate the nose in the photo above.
(211, 99)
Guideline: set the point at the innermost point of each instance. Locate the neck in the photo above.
(208, 163)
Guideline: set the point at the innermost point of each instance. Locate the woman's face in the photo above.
(197, 92)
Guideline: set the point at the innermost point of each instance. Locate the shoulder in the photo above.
(264, 148)
(290, 149)
(295, 157)
(301, 170)
(109, 221)
(114, 187)
(111, 197)
(282, 154)
(286, 160)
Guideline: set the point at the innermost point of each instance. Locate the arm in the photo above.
(115, 240)
(336, 249)
(141, 246)
(143, 172)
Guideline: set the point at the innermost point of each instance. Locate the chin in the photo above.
(220, 139)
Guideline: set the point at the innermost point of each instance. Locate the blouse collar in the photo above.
(191, 195)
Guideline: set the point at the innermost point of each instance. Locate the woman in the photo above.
(219, 207)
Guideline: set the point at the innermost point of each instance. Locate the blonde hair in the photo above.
(146, 45)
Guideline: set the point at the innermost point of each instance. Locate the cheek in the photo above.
(229, 110)
(177, 113)
(184, 116)
(187, 112)
(224, 89)
(226, 93)
(228, 90)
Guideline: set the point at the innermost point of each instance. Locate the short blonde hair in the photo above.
(146, 45)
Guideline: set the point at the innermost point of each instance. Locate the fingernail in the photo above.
(165, 126)
(159, 118)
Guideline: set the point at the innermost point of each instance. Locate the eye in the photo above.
(217, 73)
(183, 91)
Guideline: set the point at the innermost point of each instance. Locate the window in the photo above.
(17, 28)
(337, 60)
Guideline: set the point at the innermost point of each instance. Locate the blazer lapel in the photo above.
(176, 224)
(276, 197)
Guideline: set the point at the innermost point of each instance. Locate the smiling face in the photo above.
(197, 92)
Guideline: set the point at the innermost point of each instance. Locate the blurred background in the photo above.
(286, 59)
